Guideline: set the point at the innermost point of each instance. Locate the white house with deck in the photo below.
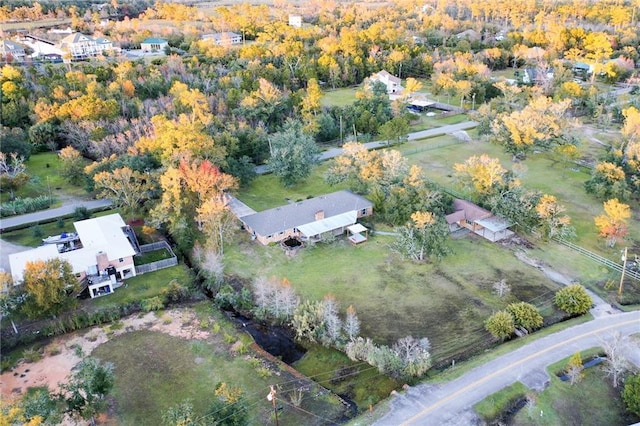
(391, 82)
(100, 253)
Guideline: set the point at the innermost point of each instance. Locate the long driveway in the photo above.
(423, 134)
(451, 403)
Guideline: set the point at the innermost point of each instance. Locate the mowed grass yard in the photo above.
(46, 178)
(446, 302)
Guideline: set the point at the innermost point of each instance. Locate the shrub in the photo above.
(525, 315)
(573, 299)
(631, 394)
(152, 304)
(81, 213)
(25, 205)
(500, 325)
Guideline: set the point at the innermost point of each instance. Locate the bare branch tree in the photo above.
(502, 288)
(617, 363)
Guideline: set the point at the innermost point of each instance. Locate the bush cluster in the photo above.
(25, 205)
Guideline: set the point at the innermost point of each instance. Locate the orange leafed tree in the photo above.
(612, 225)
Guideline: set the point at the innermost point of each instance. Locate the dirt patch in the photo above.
(65, 352)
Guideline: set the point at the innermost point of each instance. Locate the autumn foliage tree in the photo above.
(539, 125)
(193, 198)
(612, 225)
(480, 173)
(500, 325)
(50, 286)
(424, 237)
(553, 221)
(127, 188)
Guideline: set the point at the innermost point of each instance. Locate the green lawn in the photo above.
(267, 192)
(446, 302)
(152, 256)
(333, 370)
(44, 169)
(143, 287)
(155, 371)
(592, 401)
(494, 405)
(339, 97)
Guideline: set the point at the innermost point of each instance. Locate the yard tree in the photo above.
(332, 323)
(350, 166)
(311, 106)
(127, 188)
(608, 180)
(525, 315)
(615, 347)
(575, 368)
(191, 102)
(631, 393)
(175, 140)
(228, 407)
(293, 154)
(186, 191)
(393, 130)
(85, 393)
(539, 125)
(612, 225)
(480, 173)
(500, 325)
(276, 299)
(414, 354)
(210, 266)
(425, 236)
(72, 164)
(50, 286)
(181, 414)
(351, 324)
(553, 221)
(307, 321)
(502, 288)
(13, 173)
(573, 299)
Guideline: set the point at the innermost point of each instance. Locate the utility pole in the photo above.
(624, 268)
(272, 397)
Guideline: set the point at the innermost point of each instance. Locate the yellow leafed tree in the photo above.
(612, 225)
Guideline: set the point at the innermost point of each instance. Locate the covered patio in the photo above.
(354, 233)
(493, 228)
(335, 225)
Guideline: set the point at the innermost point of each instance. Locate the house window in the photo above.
(121, 260)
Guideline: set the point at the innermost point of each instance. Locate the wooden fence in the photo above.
(159, 264)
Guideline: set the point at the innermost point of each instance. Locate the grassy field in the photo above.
(339, 97)
(44, 169)
(446, 302)
(333, 370)
(155, 371)
(267, 192)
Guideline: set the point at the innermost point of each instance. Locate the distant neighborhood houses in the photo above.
(11, 51)
(226, 38)
(309, 219)
(154, 44)
(467, 215)
(391, 82)
(79, 45)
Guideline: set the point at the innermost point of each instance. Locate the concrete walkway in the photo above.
(50, 214)
(423, 134)
(451, 403)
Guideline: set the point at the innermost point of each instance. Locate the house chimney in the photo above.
(102, 260)
(320, 215)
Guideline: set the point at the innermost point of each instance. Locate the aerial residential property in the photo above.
(81, 46)
(226, 38)
(100, 252)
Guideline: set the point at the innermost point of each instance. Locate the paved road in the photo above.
(423, 134)
(451, 403)
(49, 214)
